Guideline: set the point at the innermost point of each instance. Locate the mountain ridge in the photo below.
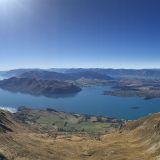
(119, 73)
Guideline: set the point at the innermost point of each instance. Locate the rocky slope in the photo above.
(135, 140)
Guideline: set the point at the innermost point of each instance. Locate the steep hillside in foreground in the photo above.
(136, 140)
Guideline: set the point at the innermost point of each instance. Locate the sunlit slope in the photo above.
(136, 140)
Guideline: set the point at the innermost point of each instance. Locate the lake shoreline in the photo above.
(89, 101)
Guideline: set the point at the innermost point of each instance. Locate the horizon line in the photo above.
(25, 68)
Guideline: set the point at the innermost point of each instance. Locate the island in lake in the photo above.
(126, 83)
(146, 89)
(38, 86)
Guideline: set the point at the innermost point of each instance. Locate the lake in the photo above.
(89, 101)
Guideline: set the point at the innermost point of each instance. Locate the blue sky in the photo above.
(79, 33)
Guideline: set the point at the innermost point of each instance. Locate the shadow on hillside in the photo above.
(2, 157)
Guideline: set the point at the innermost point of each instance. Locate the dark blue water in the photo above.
(89, 101)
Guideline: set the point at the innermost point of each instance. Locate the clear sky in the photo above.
(79, 33)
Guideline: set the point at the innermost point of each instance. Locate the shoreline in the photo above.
(9, 109)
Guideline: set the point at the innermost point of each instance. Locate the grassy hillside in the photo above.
(23, 139)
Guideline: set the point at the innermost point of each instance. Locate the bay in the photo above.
(89, 101)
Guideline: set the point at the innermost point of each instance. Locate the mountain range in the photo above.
(76, 73)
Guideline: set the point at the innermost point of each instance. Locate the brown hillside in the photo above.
(136, 140)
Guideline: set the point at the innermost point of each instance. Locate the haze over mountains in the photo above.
(64, 76)
(76, 73)
(142, 83)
